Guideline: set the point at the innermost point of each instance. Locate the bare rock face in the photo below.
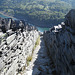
(16, 46)
(9, 23)
(60, 41)
(14, 51)
(70, 19)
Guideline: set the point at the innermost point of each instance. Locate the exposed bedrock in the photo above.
(9, 23)
(60, 41)
(70, 19)
(15, 46)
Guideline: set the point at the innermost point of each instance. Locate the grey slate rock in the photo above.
(61, 45)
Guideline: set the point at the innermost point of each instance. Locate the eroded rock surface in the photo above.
(41, 63)
(60, 41)
(15, 46)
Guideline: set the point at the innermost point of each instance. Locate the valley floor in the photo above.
(40, 63)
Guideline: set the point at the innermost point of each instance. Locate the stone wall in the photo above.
(60, 41)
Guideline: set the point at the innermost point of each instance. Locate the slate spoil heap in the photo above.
(17, 40)
(60, 42)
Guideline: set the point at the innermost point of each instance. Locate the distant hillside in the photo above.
(40, 12)
(72, 2)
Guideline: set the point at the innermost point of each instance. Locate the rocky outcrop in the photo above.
(9, 23)
(70, 19)
(16, 44)
(60, 41)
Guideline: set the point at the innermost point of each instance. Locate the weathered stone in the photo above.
(15, 50)
(10, 38)
(70, 19)
(61, 45)
(36, 72)
(42, 68)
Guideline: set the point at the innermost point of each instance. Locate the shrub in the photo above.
(29, 58)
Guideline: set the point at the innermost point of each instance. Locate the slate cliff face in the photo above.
(16, 44)
(60, 41)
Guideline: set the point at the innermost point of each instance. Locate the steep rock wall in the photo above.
(60, 41)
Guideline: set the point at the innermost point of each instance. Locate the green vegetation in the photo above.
(29, 58)
(3, 37)
(36, 44)
(44, 12)
(37, 41)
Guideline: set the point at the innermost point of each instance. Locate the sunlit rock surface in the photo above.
(60, 41)
(16, 44)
